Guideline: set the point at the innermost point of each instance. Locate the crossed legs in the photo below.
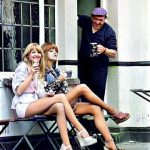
(50, 105)
(84, 90)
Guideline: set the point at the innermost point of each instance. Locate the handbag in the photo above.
(53, 86)
(41, 92)
(57, 86)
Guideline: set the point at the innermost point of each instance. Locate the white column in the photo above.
(66, 31)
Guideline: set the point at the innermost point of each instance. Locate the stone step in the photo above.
(131, 134)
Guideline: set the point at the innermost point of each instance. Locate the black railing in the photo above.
(116, 63)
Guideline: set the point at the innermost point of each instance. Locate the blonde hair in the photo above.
(46, 47)
(26, 59)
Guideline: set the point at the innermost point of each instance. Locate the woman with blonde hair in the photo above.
(94, 104)
(27, 102)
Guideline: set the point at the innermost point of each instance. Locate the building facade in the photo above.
(25, 21)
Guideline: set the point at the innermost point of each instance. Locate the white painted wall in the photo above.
(66, 32)
(120, 81)
(130, 19)
(133, 29)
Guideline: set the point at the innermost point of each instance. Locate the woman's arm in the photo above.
(22, 78)
(22, 87)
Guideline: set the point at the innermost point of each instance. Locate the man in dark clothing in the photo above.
(93, 67)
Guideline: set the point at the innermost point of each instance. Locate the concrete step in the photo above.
(131, 134)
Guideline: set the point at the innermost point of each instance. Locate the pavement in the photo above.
(134, 146)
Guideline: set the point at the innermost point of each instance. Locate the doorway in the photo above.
(85, 7)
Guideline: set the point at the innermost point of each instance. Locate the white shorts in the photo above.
(23, 103)
(21, 109)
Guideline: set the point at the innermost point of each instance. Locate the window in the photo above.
(49, 13)
(21, 28)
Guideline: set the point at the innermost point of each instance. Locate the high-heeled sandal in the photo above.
(84, 141)
(63, 147)
(120, 117)
(111, 140)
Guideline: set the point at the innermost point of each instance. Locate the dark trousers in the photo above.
(96, 81)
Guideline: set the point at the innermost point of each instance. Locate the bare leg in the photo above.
(42, 105)
(86, 108)
(83, 90)
(58, 109)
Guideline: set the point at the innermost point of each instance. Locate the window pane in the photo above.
(0, 36)
(53, 35)
(52, 18)
(17, 44)
(35, 14)
(1, 60)
(0, 11)
(49, 16)
(18, 56)
(49, 35)
(51, 2)
(46, 16)
(8, 59)
(17, 13)
(26, 14)
(29, 0)
(7, 36)
(35, 35)
(7, 12)
(26, 36)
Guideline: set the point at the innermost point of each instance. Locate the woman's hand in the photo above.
(63, 77)
(22, 87)
(34, 70)
(50, 94)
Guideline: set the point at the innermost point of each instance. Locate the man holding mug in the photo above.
(93, 68)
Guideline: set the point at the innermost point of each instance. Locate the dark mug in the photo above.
(69, 73)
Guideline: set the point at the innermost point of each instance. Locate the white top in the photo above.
(29, 95)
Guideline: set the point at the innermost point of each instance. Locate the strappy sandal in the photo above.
(111, 140)
(84, 141)
(120, 117)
